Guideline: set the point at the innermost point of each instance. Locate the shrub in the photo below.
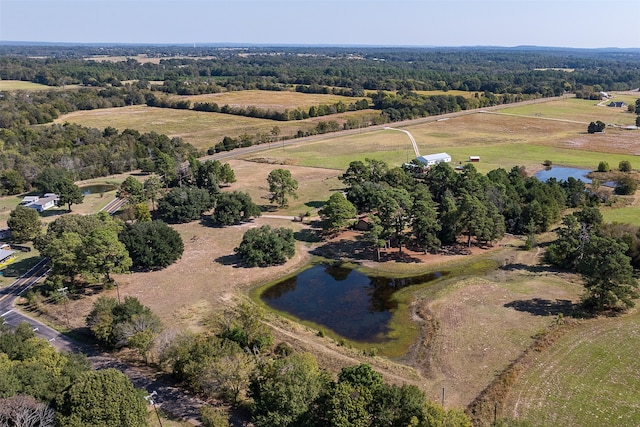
(626, 185)
(625, 166)
(603, 167)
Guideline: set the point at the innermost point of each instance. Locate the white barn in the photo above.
(434, 159)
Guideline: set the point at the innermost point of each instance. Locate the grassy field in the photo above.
(462, 93)
(9, 85)
(581, 110)
(270, 100)
(627, 214)
(500, 140)
(589, 377)
(201, 129)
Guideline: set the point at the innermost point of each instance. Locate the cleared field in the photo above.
(581, 110)
(462, 93)
(500, 140)
(7, 85)
(270, 100)
(484, 323)
(589, 377)
(202, 130)
(625, 215)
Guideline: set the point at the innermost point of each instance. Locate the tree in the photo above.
(132, 190)
(103, 398)
(424, 225)
(104, 254)
(12, 182)
(25, 224)
(264, 246)
(233, 208)
(625, 166)
(50, 179)
(281, 184)
(609, 279)
(142, 212)
(595, 127)
(152, 188)
(283, 390)
(127, 324)
(184, 204)
(626, 185)
(25, 411)
(152, 245)
(69, 193)
(337, 212)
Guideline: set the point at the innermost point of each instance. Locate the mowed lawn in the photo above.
(270, 100)
(589, 377)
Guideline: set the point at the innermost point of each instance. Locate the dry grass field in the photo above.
(270, 100)
(201, 129)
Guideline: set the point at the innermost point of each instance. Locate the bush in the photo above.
(547, 163)
(626, 185)
(625, 166)
(603, 167)
(264, 246)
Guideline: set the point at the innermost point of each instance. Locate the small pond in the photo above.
(97, 188)
(563, 173)
(348, 302)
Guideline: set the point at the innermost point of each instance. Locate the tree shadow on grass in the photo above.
(307, 236)
(232, 260)
(315, 204)
(545, 307)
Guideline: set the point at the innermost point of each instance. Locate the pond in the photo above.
(346, 301)
(97, 188)
(563, 173)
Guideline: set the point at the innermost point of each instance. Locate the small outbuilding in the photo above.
(434, 159)
(6, 257)
(474, 159)
(617, 104)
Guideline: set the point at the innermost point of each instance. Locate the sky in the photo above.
(554, 23)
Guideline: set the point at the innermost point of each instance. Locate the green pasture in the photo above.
(624, 215)
(589, 377)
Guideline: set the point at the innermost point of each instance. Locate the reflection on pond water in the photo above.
(563, 174)
(97, 188)
(348, 302)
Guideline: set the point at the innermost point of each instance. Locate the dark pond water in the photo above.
(97, 188)
(563, 173)
(352, 304)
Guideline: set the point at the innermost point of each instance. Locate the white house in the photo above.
(41, 204)
(434, 159)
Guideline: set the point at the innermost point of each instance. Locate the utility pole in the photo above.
(63, 293)
(149, 399)
(117, 291)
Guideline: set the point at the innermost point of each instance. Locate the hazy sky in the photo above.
(565, 23)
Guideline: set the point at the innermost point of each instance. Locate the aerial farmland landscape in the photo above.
(278, 228)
